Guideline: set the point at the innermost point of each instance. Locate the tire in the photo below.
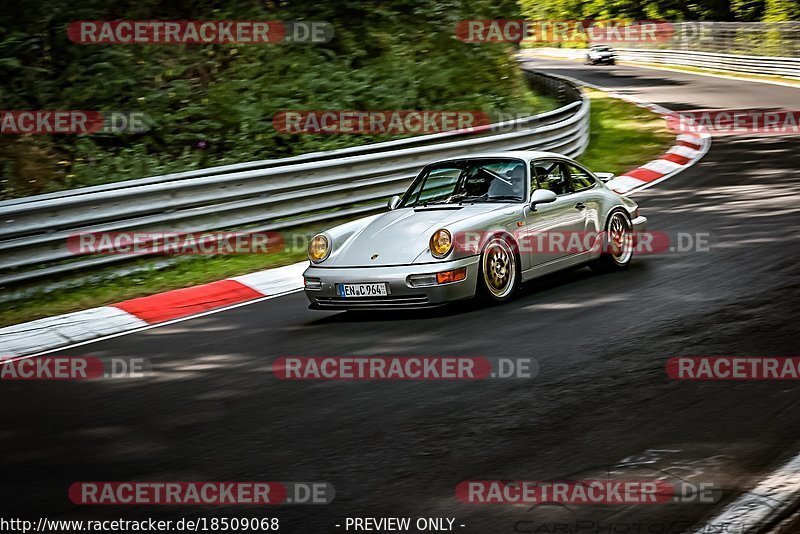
(498, 272)
(617, 244)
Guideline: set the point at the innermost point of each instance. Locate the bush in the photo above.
(212, 104)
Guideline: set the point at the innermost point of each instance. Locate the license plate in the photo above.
(363, 290)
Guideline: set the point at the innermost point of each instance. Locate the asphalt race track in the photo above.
(601, 404)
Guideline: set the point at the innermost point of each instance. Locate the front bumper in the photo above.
(401, 294)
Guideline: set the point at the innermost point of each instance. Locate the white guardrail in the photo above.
(769, 65)
(265, 195)
(766, 65)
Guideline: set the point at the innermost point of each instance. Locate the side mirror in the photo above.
(542, 196)
(605, 176)
(393, 202)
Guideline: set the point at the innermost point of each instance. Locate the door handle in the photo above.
(580, 206)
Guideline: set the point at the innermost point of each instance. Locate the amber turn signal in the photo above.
(455, 275)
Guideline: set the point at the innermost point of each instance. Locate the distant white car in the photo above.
(465, 228)
(600, 54)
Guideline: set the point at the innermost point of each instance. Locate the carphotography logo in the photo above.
(739, 519)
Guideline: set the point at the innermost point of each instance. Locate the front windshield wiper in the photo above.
(472, 199)
(434, 202)
(504, 197)
(450, 200)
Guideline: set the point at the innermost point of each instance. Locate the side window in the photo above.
(549, 174)
(579, 178)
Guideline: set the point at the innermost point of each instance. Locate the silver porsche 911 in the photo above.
(475, 226)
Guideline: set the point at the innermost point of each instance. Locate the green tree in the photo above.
(213, 104)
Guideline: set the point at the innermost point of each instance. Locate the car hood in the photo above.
(401, 236)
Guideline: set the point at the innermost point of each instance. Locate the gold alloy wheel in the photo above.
(499, 270)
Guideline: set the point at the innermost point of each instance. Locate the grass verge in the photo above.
(187, 273)
(623, 136)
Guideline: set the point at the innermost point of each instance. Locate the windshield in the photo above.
(468, 180)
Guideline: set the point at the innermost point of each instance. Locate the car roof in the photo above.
(526, 155)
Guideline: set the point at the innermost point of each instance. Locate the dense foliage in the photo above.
(675, 10)
(212, 104)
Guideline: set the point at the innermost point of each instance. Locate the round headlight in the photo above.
(441, 243)
(318, 248)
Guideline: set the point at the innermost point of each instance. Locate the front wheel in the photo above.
(617, 244)
(498, 276)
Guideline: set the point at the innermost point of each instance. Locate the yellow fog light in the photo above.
(441, 243)
(318, 248)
